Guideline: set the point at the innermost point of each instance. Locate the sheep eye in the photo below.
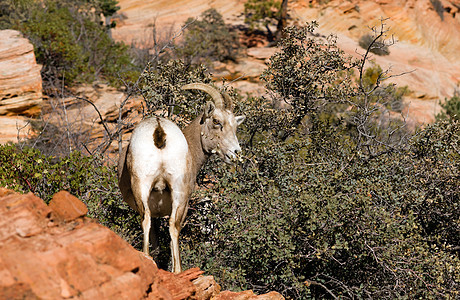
(216, 123)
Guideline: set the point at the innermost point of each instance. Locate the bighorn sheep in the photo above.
(157, 170)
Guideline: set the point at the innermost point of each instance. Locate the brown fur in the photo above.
(159, 136)
(228, 103)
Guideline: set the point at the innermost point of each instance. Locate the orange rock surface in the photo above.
(427, 48)
(20, 80)
(56, 252)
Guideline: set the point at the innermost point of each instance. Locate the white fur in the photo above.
(157, 180)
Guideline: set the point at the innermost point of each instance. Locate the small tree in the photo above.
(208, 39)
(327, 203)
(451, 108)
(266, 13)
(70, 41)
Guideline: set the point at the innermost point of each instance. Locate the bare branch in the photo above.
(312, 282)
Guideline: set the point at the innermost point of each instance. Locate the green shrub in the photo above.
(451, 108)
(375, 46)
(389, 95)
(162, 89)
(86, 177)
(263, 13)
(293, 220)
(13, 12)
(71, 42)
(306, 75)
(209, 39)
(313, 213)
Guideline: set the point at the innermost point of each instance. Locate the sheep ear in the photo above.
(208, 111)
(240, 119)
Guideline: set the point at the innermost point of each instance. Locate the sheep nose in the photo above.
(238, 149)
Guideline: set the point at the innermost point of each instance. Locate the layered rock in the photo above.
(426, 34)
(55, 252)
(14, 128)
(20, 80)
(427, 43)
(20, 86)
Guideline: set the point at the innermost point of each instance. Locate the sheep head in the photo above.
(218, 124)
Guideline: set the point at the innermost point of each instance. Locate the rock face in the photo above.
(426, 33)
(20, 80)
(427, 43)
(47, 256)
(20, 86)
(55, 252)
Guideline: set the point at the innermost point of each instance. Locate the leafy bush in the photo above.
(162, 89)
(307, 74)
(208, 39)
(13, 12)
(261, 12)
(390, 95)
(314, 222)
(340, 212)
(378, 47)
(86, 177)
(70, 41)
(451, 108)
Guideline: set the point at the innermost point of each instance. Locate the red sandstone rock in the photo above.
(67, 207)
(191, 274)
(180, 288)
(206, 287)
(245, 295)
(20, 80)
(80, 259)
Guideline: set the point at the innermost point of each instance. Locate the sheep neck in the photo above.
(192, 134)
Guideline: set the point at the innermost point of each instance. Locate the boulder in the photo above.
(45, 259)
(20, 80)
(67, 207)
(56, 252)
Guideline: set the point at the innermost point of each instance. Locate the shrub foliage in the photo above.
(208, 39)
(347, 210)
(70, 40)
(375, 46)
(451, 108)
(331, 199)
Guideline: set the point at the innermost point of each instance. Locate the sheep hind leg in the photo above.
(154, 240)
(141, 195)
(146, 223)
(178, 213)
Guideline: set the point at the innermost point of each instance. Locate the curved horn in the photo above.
(228, 101)
(215, 94)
